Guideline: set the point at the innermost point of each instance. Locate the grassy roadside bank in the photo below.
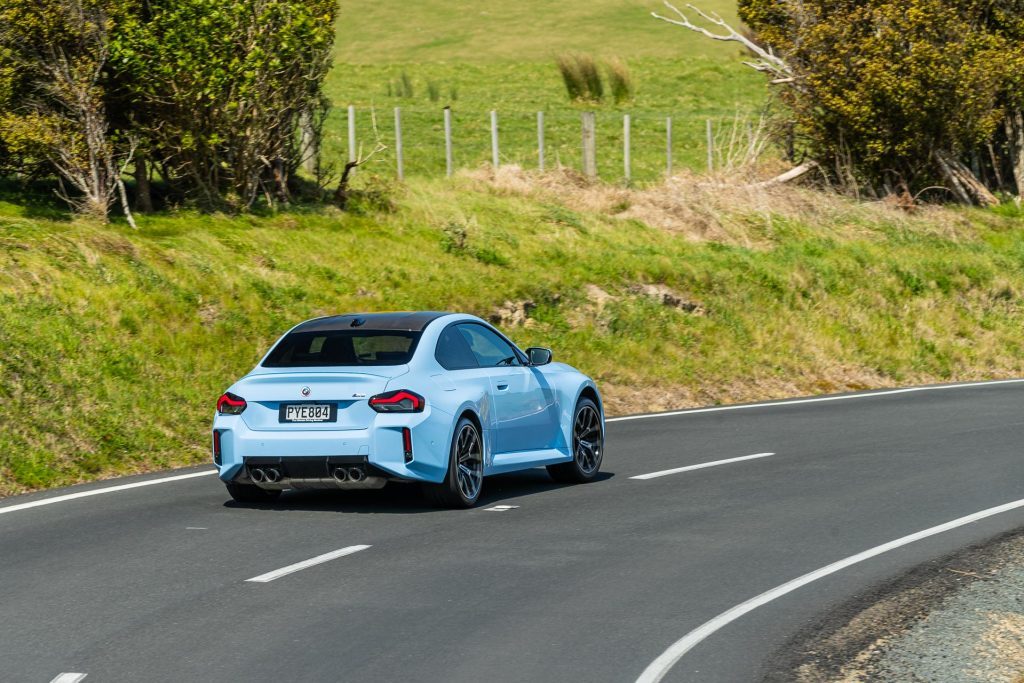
(116, 343)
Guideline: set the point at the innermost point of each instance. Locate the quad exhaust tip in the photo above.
(356, 474)
(340, 473)
(258, 475)
(273, 475)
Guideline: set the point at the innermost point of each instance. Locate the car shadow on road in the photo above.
(405, 499)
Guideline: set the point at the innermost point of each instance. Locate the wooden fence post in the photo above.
(494, 139)
(398, 143)
(668, 146)
(351, 133)
(448, 141)
(540, 141)
(625, 147)
(711, 148)
(589, 128)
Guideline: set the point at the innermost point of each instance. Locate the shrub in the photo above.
(405, 87)
(581, 76)
(897, 95)
(620, 80)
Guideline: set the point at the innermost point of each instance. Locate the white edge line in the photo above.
(69, 678)
(693, 411)
(306, 564)
(677, 470)
(657, 669)
(107, 489)
(821, 399)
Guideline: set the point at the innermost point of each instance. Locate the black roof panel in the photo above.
(408, 322)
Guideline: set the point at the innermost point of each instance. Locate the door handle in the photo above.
(502, 387)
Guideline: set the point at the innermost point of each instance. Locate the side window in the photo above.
(453, 352)
(490, 349)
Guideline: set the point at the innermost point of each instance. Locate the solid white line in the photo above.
(661, 666)
(96, 492)
(677, 470)
(306, 564)
(69, 678)
(822, 399)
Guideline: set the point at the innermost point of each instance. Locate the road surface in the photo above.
(568, 583)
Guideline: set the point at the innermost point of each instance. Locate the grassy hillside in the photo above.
(116, 343)
(370, 32)
(502, 57)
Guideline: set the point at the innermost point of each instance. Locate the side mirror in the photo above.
(538, 355)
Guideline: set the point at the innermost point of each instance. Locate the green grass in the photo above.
(116, 343)
(690, 92)
(503, 58)
(371, 32)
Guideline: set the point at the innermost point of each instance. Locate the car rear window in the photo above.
(343, 348)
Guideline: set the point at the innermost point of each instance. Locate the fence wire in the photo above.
(424, 142)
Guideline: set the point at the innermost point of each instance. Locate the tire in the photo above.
(247, 493)
(587, 453)
(461, 486)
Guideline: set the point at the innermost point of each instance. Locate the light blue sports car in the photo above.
(353, 401)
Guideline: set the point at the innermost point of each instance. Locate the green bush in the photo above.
(882, 89)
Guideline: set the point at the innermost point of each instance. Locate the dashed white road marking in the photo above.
(195, 528)
(306, 564)
(657, 669)
(695, 411)
(106, 489)
(501, 508)
(714, 463)
(69, 678)
(820, 399)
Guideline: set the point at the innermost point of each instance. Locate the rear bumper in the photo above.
(379, 447)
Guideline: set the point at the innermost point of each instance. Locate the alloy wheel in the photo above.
(587, 439)
(470, 462)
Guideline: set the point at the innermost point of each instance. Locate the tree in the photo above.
(897, 96)
(222, 89)
(53, 59)
(222, 97)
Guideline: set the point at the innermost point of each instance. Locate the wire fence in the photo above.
(615, 146)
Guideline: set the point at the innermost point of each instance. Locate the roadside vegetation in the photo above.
(679, 292)
(117, 341)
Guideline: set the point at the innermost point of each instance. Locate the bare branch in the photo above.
(342, 192)
(768, 61)
(790, 175)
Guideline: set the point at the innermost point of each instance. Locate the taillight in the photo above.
(216, 447)
(400, 401)
(407, 443)
(229, 404)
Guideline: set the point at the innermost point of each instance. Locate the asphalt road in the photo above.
(585, 583)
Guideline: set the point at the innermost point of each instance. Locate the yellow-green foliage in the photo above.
(115, 343)
(886, 84)
(212, 91)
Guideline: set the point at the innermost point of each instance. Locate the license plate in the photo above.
(308, 412)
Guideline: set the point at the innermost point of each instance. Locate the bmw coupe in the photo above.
(353, 401)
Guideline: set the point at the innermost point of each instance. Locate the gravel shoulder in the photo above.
(960, 618)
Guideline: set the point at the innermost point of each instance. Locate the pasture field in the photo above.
(477, 58)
